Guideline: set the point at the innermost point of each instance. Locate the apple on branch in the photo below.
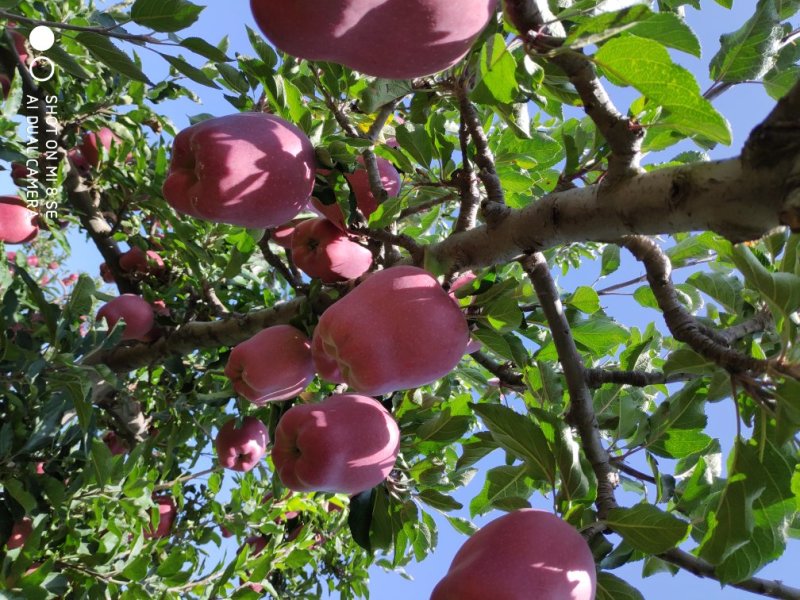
(18, 224)
(392, 39)
(522, 555)
(135, 311)
(249, 169)
(275, 364)
(345, 444)
(20, 532)
(241, 448)
(397, 330)
(167, 511)
(320, 249)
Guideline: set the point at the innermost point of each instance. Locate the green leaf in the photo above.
(722, 287)
(600, 335)
(439, 500)
(676, 428)
(17, 491)
(107, 53)
(504, 314)
(781, 290)
(505, 487)
(190, 71)
(646, 65)
(359, 518)
(670, 30)
(416, 142)
(497, 68)
(611, 260)
(204, 49)
(585, 299)
(751, 51)
(611, 587)
(444, 427)
(648, 528)
(606, 25)
(520, 436)
(165, 15)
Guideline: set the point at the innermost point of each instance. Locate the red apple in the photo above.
(275, 364)
(521, 555)
(106, 274)
(240, 449)
(40, 468)
(115, 443)
(91, 142)
(248, 169)
(136, 312)
(283, 235)
(397, 330)
(359, 183)
(18, 224)
(167, 511)
(345, 444)
(19, 533)
(393, 39)
(18, 170)
(137, 260)
(320, 249)
(33, 261)
(79, 162)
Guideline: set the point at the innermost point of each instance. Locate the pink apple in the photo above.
(393, 39)
(137, 260)
(275, 364)
(18, 224)
(240, 449)
(135, 310)
(521, 555)
(345, 444)
(248, 169)
(115, 443)
(19, 533)
(282, 235)
(397, 330)
(92, 141)
(167, 511)
(322, 250)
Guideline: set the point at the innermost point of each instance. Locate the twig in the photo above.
(598, 377)
(220, 310)
(628, 470)
(414, 248)
(140, 39)
(581, 413)
(504, 372)
(184, 478)
(292, 278)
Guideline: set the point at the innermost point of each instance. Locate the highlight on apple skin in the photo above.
(345, 444)
(249, 169)
(393, 39)
(397, 330)
(320, 249)
(167, 511)
(140, 261)
(137, 313)
(522, 555)
(359, 183)
(275, 364)
(18, 224)
(19, 533)
(241, 448)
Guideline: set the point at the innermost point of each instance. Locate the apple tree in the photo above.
(132, 447)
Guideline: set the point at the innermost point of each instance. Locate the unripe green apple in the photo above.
(397, 330)
(249, 169)
(393, 39)
(345, 444)
(275, 364)
(522, 555)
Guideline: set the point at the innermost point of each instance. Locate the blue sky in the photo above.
(744, 106)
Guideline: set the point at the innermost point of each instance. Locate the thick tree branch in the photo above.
(683, 326)
(756, 585)
(581, 413)
(468, 185)
(598, 377)
(273, 260)
(623, 135)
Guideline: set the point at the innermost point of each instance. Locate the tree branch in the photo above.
(468, 185)
(293, 279)
(504, 372)
(581, 413)
(598, 377)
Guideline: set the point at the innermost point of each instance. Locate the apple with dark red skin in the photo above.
(241, 448)
(359, 183)
(521, 555)
(137, 313)
(275, 364)
(18, 224)
(19, 533)
(19, 42)
(248, 169)
(19, 171)
(167, 511)
(92, 141)
(106, 274)
(397, 330)
(345, 444)
(137, 260)
(393, 39)
(115, 443)
(320, 249)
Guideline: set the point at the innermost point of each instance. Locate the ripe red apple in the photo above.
(359, 183)
(79, 162)
(18, 224)
(282, 235)
(397, 330)
(275, 364)
(115, 443)
(521, 555)
(320, 249)
(241, 448)
(106, 274)
(137, 260)
(18, 170)
(39, 468)
(91, 142)
(19, 533)
(136, 312)
(345, 444)
(393, 39)
(248, 169)
(167, 511)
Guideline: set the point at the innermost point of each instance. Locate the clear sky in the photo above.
(744, 106)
